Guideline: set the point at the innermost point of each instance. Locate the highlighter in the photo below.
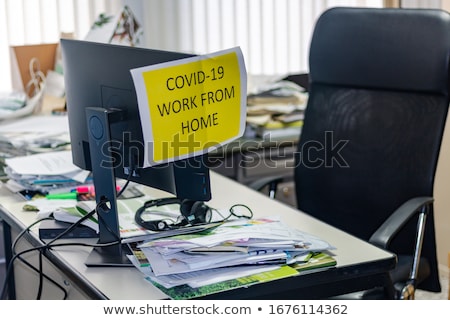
(60, 196)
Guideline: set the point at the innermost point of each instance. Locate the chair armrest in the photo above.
(386, 232)
(270, 181)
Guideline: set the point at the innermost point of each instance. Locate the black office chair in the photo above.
(367, 154)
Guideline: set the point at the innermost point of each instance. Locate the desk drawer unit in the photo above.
(270, 161)
(252, 162)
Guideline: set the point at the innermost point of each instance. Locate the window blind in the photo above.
(273, 34)
(24, 22)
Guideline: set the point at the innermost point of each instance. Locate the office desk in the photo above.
(359, 264)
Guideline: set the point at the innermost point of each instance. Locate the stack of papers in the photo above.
(32, 134)
(35, 133)
(234, 249)
(43, 172)
(277, 109)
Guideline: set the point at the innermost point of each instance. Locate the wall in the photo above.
(442, 200)
(446, 5)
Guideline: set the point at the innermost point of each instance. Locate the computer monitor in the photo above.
(106, 133)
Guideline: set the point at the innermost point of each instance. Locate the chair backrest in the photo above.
(379, 95)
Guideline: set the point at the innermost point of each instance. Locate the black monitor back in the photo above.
(98, 75)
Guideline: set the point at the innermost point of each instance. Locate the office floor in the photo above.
(443, 295)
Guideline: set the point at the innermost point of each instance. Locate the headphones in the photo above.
(193, 213)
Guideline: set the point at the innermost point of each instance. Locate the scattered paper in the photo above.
(46, 164)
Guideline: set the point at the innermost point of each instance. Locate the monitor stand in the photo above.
(99, 122)
(99, 257)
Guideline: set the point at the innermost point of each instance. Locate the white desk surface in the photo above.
(128, 283)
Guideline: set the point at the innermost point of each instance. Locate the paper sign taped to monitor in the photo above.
(191, 106)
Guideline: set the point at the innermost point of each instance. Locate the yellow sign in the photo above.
(191, 106)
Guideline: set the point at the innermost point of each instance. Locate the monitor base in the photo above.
(100, 257)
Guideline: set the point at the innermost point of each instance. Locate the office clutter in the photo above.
(275, 107)
(212, 281)
(43, 173)
(35, 72)
(122, 29)
(70, 211)
(35, 158)
(19, 103)
(11, 102)
(43, 57)
(253, 251)
(29, 135)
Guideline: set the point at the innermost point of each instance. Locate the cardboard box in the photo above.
(20, 62)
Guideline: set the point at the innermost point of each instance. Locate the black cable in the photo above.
(125, 185)
(73, 226)
(50, 245)
(11, 262)
(46, 246)
(234, 214)
(41, 277)
(122, 190)
(100, 218)
(29, 265)
(130, 174)
(41, 249)
(39, 271)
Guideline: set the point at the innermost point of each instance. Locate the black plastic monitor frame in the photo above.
(106, 134)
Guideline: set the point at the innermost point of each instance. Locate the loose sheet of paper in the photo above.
(47, 164)
(25, 131)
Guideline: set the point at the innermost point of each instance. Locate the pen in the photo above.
(52, 181)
